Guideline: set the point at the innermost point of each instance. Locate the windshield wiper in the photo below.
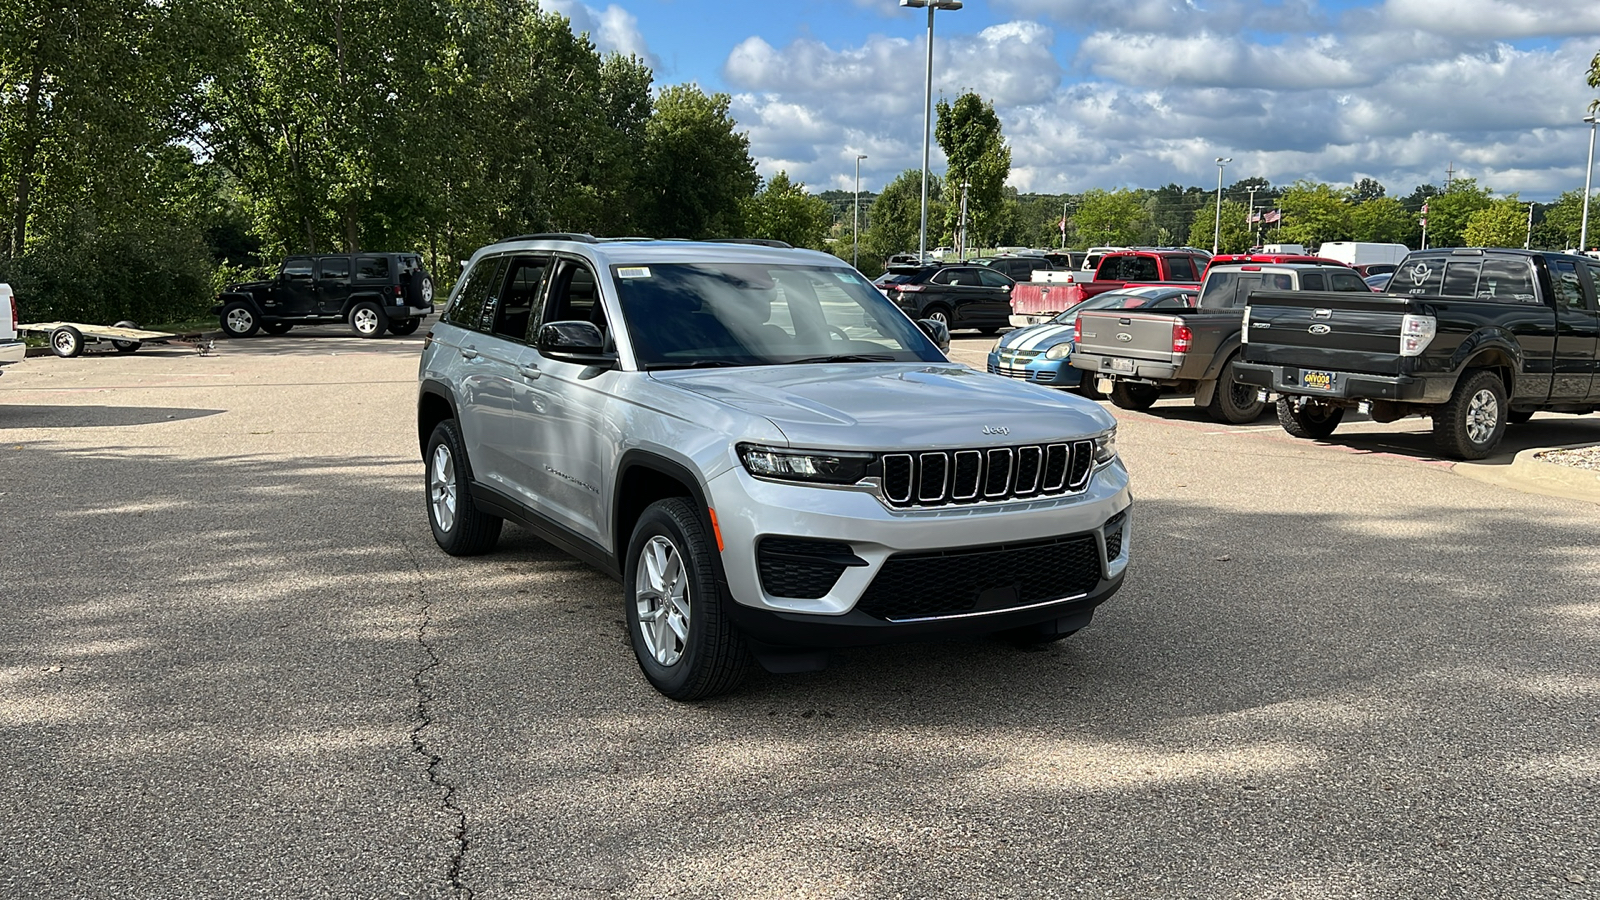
(699, 364)
(841, 357)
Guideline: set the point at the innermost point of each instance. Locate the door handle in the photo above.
(530, 372)
(469, 353)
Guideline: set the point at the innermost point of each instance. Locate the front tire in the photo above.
(66, 342)
(239, 320)
(1471, 424)
(1234, 403)
(368, 320)
(1137, 397)
(459, 527)
(1313, 420)
(686, 645)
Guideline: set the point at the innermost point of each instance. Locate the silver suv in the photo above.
(772, 458)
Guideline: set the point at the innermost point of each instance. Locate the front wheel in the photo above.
(1134, 396)
(239, 320)
(368, 320)
(1471, 424)
(459, 527)
(1234, 403)
(1311, 420)
(686, 644)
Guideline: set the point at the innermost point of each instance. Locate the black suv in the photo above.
(1019, 268)
(374, 292)
(966, 296)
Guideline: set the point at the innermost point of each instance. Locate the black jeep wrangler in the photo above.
(374, 292)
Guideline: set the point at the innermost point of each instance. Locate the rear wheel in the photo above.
(66, 342)
(126, 346)
(686, 644)
(1471, 424)
(239, 320)
(459, 527)
(404, 327)
(1130, 395)
(277, 328)
(1234, 403)
(941, 315)
(368, 320)
(1313, 420)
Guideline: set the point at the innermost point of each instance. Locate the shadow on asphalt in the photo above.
(29, 416)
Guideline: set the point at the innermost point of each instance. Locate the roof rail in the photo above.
(552, 236)
(760, 242)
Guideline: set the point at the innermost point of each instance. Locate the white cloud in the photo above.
(1495, 19)
(612, 29)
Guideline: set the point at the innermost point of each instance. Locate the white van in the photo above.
(11, 348)
(1360, 254)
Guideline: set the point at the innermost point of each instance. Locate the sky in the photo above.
(1142, 93)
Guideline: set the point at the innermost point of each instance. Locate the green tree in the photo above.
(1563, 221)
(1366, 189)
(1110, 218)
(1383, 220)
(1312, 214)
(1236, 235)
(697, 172)
(968, 132)
(896, 218)
(1503, 223)
(1449, 212)
(783, 211)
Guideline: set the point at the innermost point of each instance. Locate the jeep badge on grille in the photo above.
(996, 429)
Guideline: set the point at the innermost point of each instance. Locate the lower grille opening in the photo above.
(1114, 529)
(982, 579)
(802, 569)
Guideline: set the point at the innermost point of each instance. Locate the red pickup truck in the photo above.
(1036, 302)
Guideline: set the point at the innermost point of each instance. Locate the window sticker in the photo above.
(633, 271)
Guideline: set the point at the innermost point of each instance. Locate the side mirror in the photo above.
(575, 342)
(936, 332)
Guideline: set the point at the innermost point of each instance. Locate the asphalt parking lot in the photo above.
(234, 664)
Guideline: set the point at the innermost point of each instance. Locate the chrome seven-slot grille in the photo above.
(946, 477)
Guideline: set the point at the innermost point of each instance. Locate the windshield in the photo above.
(748, 314)
(1112, 300)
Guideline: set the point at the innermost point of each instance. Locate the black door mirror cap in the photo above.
(937, 332)
(575, 342)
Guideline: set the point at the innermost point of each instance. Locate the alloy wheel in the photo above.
(661, 592)
(1483, 413)
(442, 488)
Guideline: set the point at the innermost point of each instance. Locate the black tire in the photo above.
(709, 656)
(941, 315)
(66, 342)
(277, 329)
(459, 527)
(127, 346)
(989, 331)
(403, 327)
(1130, 395)
(1086, 387)
(239, 320)
(368, 320)
(1234, 403)
(1313, 421)
(1471, 424)
(1518, 416)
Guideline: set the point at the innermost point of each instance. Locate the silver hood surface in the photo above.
(876, 406)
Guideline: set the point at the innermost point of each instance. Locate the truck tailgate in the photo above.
(1341, 331)
(1132, 335)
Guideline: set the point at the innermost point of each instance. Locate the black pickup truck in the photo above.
(1474, 338)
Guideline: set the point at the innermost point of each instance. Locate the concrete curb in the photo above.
(1535, 476)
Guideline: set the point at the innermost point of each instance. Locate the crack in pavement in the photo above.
(422, 681)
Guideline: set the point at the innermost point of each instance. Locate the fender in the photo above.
(224, 299)
(1225, 351)
(637, 458)
(429, 393)
(363, 297)
(1491, 347)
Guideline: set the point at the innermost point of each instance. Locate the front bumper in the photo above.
(1038, 370)
(994, 535)
(1346, 385)
(12, 352)
(1143, 370)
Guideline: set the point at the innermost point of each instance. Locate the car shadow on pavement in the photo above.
(19, 415)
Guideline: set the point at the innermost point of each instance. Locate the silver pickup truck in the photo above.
(11, 347)
(1138, 355)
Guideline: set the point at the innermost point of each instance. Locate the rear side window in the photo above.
(337, 268)
(1347, 281)
(372, 268)
(1312, 281)
(1228, 290)
(1182, 268)
(993, 279)
(468, 310)
(1507, 280)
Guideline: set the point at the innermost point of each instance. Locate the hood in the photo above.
(1037, 337)
(875, 406)
(244, 286)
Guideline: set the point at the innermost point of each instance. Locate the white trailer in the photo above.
(1363, 253)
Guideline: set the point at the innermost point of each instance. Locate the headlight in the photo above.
(1105, 448)
(996, 347)
(1059, 351)
(819, 466)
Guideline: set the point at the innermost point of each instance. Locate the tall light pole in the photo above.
(1216, 233)
(927, 110)
(1583, 233)
(855, 232)
(1250, 222)
(961, 245)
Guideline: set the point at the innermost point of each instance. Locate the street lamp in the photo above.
(927, 108)
(855, 232)
(1216, 232)
(1251, 218)
(1588, 179)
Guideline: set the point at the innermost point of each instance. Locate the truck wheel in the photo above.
(459, 527)
(404, 327)
(1128, 395)
(1313, 420)
(682, 636)
(1470, 425)
(126, 346)
(368, 320)
(66, 342)
(239, 320)
(277, 328)
(1234, 403)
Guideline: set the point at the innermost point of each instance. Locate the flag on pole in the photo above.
(1275, 215)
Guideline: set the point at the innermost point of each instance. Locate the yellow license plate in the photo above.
(1317, 381)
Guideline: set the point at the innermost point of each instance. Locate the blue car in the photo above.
(1039, 353)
